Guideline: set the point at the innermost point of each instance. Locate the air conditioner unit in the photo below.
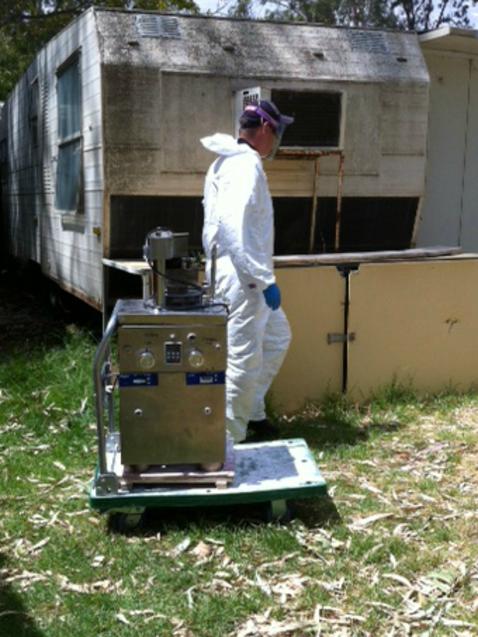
(247, 96)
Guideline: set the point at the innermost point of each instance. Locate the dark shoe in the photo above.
(261, 431)
(253, 437)
(263, 426)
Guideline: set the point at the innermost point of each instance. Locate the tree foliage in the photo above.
(410, 15)
(26, 25)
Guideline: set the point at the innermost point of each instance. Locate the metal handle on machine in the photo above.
(98, 385)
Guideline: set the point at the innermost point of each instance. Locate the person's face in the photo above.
(265, 140)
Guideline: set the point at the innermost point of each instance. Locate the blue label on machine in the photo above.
(148, 379)
(214, 378)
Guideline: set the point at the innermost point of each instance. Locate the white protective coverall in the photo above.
(238, 218)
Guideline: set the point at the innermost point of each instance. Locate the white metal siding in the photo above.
(469, 224)
(70, 252)
(447, 135)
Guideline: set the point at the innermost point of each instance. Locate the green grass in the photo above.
(402, 507)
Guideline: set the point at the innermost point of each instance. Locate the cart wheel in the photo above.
(124, 522)
(278, 511)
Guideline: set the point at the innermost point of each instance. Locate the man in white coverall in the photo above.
(239, 220)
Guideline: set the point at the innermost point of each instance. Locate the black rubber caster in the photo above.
(278, 511)
(124, 522)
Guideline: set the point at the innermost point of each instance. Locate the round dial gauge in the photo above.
(196, 358)
(146, 360)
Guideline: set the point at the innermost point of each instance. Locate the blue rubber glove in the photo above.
(272, 296)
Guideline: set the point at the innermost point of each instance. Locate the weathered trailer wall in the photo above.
(450, 211)
(154, 122)
(162, 94)
(384, 135)
(65, 244)
(20, 172)
(413, 323)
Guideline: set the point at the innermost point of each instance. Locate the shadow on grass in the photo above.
(319, 511)
(336, 423)
(35, 313)
(14, 618)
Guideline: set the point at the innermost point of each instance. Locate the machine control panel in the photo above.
(172, 348)
(172, 353)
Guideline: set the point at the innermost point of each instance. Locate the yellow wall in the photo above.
(313, 301)
(414, 322)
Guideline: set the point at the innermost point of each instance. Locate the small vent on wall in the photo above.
(157, 26)
(367, 41)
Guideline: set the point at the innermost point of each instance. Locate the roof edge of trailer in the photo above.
(266, 50)
(203, 16)
(76, 17)
(450, 39)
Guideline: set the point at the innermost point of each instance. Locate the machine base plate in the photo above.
(174, 474)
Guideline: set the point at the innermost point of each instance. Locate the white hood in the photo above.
(224, 145)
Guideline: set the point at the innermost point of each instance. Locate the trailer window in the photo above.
(318, 116)
(33, 113)
(68, 174)
(3, 160)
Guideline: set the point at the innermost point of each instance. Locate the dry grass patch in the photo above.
(392, 551)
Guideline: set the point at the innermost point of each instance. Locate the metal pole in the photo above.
(338, 216)
(313, 221)
(160, 282)
(110, 400)
(98, 386)
(146, 279)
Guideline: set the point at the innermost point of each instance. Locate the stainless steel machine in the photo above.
(171, 353)
(171, 448)
(171, 385)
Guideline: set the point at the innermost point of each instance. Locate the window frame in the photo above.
(63, 142)
(33, 111)
(341, 117)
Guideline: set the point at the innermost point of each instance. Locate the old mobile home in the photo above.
(100, 140)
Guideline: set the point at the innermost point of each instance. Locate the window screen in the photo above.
(68, 174)
(317, 118)
(33, 113)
